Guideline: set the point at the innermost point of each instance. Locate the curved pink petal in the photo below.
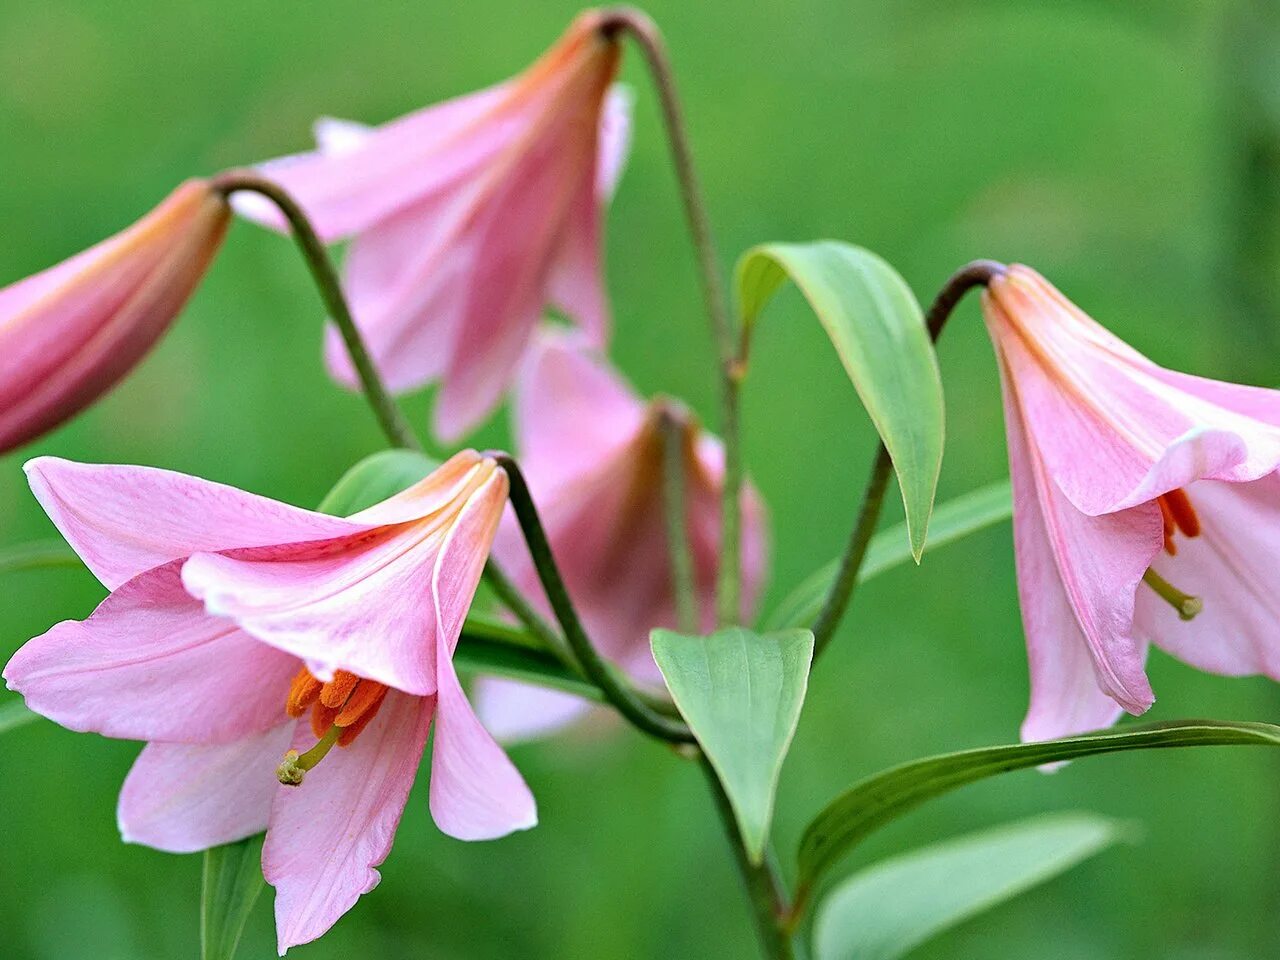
(368, 604)
(406, 279)
(124, 520)
(1234, 567)
(572, 411)
(1065, 695)
(1112, 428)
(1092, 564)
(361, 606)
(328, 835)
(150, 664)
(349, 190)
(615, 139)
(183, 797)
(476, 791)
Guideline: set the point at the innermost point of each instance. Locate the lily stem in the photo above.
(674, 434)
(976, 274)
(615, 688)
(648, 38)
(769, 906)
(389, 415)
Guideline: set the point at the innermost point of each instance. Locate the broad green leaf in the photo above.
(740, 693)
(232, 882)
(374, 479)
(878, 330)
(14, 714)
(889, 909)
(952, 521)
(35, 556)
(884, 796)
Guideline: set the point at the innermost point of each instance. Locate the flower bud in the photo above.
(71, 332)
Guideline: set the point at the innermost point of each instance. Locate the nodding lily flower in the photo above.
(1145, 504)
(72, 332)
(467, 218)
(592, 452)
(285, 666)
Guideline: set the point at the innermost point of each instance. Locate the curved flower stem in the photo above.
(389, 415)
(611, 684)
(769, 904)
(674, 433)
(648, 38)
(976, 274)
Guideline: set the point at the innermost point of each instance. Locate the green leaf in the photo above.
(952, 521)
(740, 693)
(232, 882)
(374, 479)
(878, 330)
(35, 556)
(884, 796)
(14, 714)
(886, 911)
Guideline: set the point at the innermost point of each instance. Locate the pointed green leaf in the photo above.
(887, 910)
(232, 882)
(14, 714)
(882, 797)
(374, 479)
(878, 330)
(952, 521)
(740, 693)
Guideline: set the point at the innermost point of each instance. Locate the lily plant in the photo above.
(290, 669)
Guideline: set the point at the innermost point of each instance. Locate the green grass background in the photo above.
(1096, 140)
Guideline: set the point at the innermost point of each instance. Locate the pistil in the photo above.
(294, 766)
(1186, 605)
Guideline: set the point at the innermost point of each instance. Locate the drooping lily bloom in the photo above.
(284, 665)
(70, 333)
(467, 218)
(1146, 510)
(592, 452)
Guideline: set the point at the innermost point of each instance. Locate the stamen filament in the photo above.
(1186, 605)
(294, 766)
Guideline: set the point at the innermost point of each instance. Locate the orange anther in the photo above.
(303, 692)
(364, 702)
(1184, 514)
(336, 691)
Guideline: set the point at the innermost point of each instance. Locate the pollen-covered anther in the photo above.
(303, 692)
(340, 710)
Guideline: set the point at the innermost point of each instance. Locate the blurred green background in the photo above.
(1126, 149)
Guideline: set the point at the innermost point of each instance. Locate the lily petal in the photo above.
(183, 797)
(1093, 565)
(1114, 430)
(561, 381)
(476, 791)
(328, 835)
(124, 520)
(150, 664)
(1234, 567)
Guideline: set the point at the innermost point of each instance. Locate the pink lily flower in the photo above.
(70, 333)
(467, 218)
(592, 452)
(1129, 478)
(245, 638)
